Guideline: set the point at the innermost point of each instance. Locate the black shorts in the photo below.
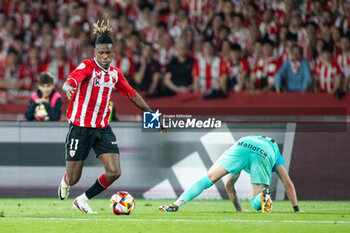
(80, 140)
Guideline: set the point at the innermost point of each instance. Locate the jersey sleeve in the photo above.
(279, 161)
(124, 87)
(78, 75)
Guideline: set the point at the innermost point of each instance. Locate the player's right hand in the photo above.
(68, 89)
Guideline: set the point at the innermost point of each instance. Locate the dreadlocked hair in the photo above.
(102, 31)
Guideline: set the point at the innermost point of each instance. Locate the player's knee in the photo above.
(114, 174)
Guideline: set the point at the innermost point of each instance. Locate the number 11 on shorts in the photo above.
(72, 144)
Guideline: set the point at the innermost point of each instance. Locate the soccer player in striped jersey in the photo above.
(343, 60)
(265, 68)
(328, 75)
(208, 73)
(257, 155)
(89, 88)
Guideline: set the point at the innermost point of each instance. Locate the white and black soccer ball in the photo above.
(40, 113)
(122, 203)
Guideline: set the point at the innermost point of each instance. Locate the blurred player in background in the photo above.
(46, 103)
(257, 155)
(89, 88)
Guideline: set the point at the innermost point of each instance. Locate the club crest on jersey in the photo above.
(72, 153)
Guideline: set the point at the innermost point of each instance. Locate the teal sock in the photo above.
(196, 189)
(256, 202)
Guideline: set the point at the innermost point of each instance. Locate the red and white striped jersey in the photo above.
(343, 61)
(242, 37)
(265, 68)
(325, 74)
(61, 34)
(23, 20)
(72, 47)
(280, 11)
(60, 70)
(170, 19)
(89, 104)
(94, 11)
(270, 29)
(125, 64)
(209, 74)
(164, 56)
(198, 10)
(132, 13)
(309, 6)
(343, 24)
(150, 34)
(29, 73)
(263, 4)
(303, 40)
(236, 70)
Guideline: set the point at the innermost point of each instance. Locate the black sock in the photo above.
(94, 190)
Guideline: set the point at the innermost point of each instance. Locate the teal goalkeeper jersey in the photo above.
(265, 144)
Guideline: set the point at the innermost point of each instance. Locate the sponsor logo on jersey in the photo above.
(100, 83)
(253, 148)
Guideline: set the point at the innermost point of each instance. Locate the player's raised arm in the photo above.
(289, 186)
(231, 191)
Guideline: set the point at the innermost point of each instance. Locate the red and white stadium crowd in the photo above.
(165, 47)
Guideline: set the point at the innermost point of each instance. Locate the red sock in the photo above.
(98, 187)
(103, 180)
(64, 177)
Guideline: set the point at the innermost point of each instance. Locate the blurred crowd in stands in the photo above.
(165, 47)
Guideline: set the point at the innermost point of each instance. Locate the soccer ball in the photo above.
(40, 113)
(122, 203)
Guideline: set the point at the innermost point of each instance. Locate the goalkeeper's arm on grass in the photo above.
(289, 186)
(284, 177)
(231, 192)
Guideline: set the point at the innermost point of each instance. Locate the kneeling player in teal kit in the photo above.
(257, 155)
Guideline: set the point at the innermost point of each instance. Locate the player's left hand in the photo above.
(68, 89)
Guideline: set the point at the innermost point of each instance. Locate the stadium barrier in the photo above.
(163, 165)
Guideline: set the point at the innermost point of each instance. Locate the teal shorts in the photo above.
(254, 154)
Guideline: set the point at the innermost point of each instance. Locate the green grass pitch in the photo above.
(52, 215)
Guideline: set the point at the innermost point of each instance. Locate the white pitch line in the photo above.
(176, 220)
